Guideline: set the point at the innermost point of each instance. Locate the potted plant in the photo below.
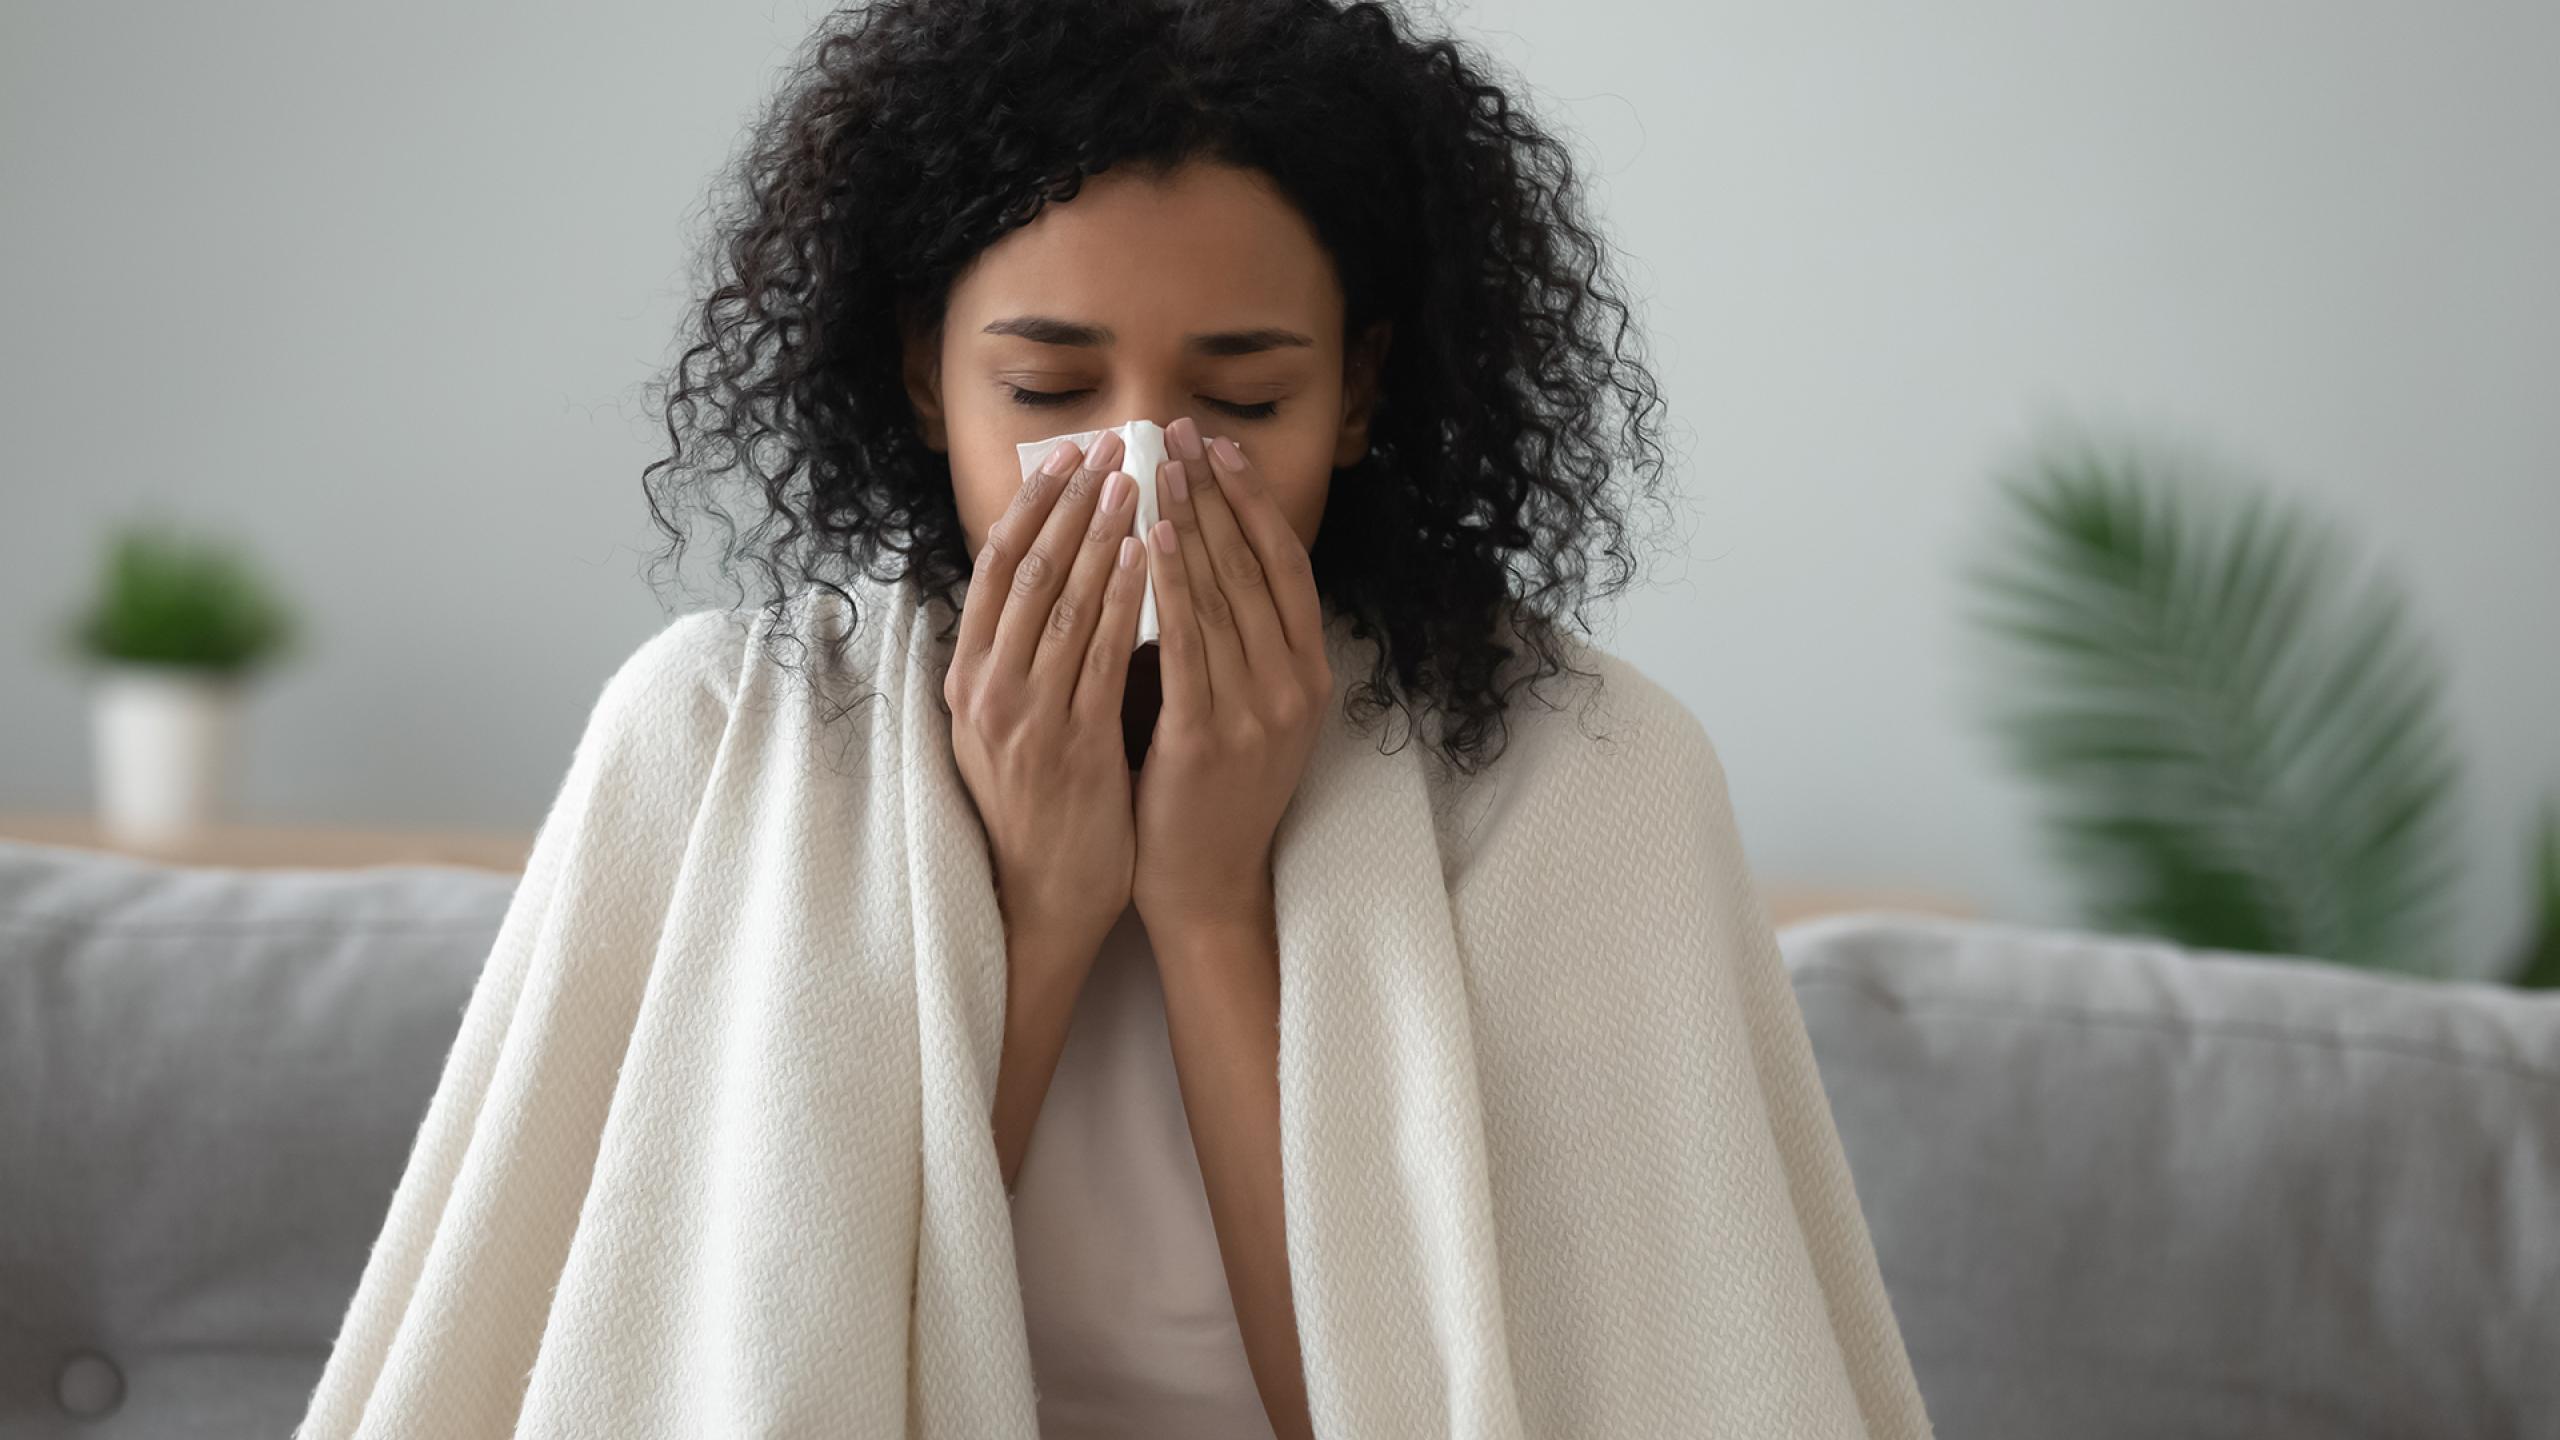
(177, 627)
(2238, 730)
(2539, 964)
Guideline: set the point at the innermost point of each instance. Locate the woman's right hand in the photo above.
(1034, 690)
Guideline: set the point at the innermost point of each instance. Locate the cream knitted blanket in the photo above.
(711, 1153)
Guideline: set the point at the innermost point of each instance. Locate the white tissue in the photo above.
(1142, 452)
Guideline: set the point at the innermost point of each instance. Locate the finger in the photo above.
(1289, 570)
(1041, 573)
(1104, 677)
(1213, 620)
(1065, 641)
(1228, 556)
(1184, 668)
(991, 574)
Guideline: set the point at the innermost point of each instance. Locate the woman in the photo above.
(1354, 285)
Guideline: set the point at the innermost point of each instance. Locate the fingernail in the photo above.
(1175, 481)
(1228, 454)
(1106, 449)
(1186, 437)
(1115, 490)
(1164, 536)
(1128, 551)
(1060, 460)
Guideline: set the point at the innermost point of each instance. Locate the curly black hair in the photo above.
(1513, 409)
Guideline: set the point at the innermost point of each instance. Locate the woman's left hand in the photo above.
(1246, 686)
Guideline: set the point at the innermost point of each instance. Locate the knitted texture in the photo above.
(711, 1153)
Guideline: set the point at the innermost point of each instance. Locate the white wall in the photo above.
(377, 287)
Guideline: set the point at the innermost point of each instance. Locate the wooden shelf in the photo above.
(303, 846)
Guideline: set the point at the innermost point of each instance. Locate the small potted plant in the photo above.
(177, 627)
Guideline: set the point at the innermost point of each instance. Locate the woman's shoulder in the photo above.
(1603, 735)
(682, 678)
(708, 658)
(699, 651)
(1601, 708)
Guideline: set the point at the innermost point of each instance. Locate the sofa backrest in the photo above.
(209, 1082)
(2119, 1188)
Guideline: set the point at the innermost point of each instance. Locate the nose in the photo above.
(1143, 391)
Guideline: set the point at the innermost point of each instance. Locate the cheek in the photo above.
(981, 502)
(1299, 472)
(986, 479)
(1300, 494)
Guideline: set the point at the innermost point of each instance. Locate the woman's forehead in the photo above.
(1207, 248)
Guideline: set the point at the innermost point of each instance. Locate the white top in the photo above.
(1133, 1332)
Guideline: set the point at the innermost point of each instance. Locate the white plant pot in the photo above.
(164, 749)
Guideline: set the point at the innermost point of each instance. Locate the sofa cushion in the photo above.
(213, 1077)
(2123, 1188)
(2117, 1188)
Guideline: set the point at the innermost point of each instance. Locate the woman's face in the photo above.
(1202, 294)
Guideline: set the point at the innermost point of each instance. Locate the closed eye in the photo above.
(1044, 399)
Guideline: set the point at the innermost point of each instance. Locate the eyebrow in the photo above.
(1050, 330)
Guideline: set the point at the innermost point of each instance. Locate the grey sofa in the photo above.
(2117, 1188)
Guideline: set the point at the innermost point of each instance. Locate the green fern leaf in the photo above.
(2240, 744)
(2540, 966)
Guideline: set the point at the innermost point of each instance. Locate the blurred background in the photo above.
(374, 292)
(2117, 463)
